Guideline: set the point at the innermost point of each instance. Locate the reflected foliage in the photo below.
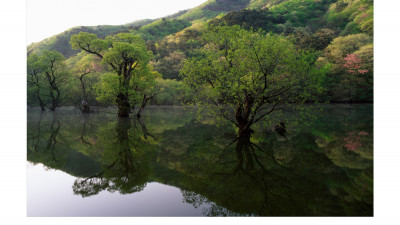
(308, 172)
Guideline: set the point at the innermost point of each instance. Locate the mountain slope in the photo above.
(349, 16)
(203, 12)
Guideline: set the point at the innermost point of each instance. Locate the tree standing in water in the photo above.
(244, 76)
(47, 72)
(126, 56)
(86, 69)
(35, 78)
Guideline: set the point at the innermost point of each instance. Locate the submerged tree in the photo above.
(125, 54)
(54, 69)
(245, 76)
(148, 88)
(85, 69)
(47, 72)
(35, 78)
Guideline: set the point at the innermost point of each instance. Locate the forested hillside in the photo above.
(337, 36)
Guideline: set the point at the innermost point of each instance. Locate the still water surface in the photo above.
(166, 164)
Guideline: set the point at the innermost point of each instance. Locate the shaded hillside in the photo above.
(213, 8)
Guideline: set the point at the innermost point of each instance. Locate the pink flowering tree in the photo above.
(354, 67)
(353, 64)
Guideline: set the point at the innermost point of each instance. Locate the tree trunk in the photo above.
(39, 98)
(84, 104)
(41, 104)
(54, 102)
(144, 103)
(242, 117)
(53, 87)
(123, 105)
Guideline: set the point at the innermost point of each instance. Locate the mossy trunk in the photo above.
(54, 92)
(85, 104)
(123, 105)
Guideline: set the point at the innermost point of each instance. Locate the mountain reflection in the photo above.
(310, 171)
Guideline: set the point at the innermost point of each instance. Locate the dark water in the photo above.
(166, 164)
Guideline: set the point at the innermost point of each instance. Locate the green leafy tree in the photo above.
(55, 72)
(244, 76)
(125, 54)
(147, 88)
(86, 69)
(35, 79)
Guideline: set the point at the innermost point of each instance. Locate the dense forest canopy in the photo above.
(144, 62)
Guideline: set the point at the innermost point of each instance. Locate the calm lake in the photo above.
(167, 164)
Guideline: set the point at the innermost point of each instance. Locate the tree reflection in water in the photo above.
(127, 171)
(250, 180)
(310, 172)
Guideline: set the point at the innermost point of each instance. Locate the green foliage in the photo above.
(313, 25)
(341, 46)
(343, 86)
(170, 65)
(89, 43)
(343, 12)
(36, 81)
(351, 28)
(169, 92)
(314, 41)
(250, 19)
(282, 17)
(239, 65)
(124, 54)
(47, 77)
(85, 72)
(199, 14)
(301, 12)
(161, 28)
